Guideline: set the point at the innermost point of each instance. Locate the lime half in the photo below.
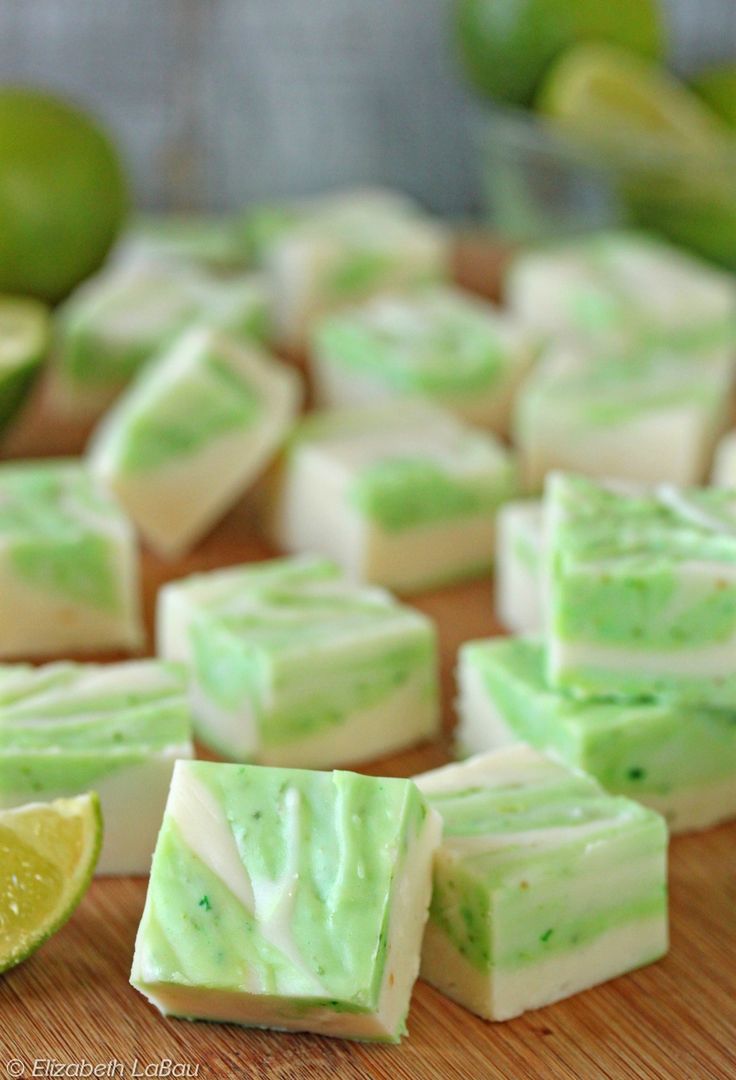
(615, 98)
(48, 853)
(24, 341)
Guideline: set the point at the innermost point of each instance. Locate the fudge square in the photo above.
(618, 286)
(116, 729)
(68, 563)
(645, 414)
(544, 885)
(678, 759)
(192, 432)
(439, 343)
(321, 256)
(519, 561)
(121, 318)
(402, 495)
(641, 591)
(287, 899)
(292, 665)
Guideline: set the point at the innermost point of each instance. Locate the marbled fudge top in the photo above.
(623, 282)
(504, 810)
(292, 606)
(615, 387)
(437, 340)
(105, 708)
(593, 522)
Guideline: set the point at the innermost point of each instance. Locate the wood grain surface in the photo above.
(70, 1006)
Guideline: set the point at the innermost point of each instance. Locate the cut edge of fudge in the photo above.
(503, 699)
(465, 959)
(378, 1007)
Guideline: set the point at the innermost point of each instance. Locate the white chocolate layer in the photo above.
(519, 553)
(511, 993)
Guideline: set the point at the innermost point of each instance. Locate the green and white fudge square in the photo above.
(192, 432)
(520, 554)
(645, 414)
(544, 885)
(68, 563)
(292, 665)
(122, 318)
(678, 759)
(288, 899)
(402, 495)
(322, 255)
(641, 591)
(116, 729)
(438, 343)
(616, 287)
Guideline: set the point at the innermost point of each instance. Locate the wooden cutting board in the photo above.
(70, 1005)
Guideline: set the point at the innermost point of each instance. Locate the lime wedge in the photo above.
(614, 98)
(48, 853)
(24, 340)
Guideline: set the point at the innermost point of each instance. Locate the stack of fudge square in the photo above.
(623, 665)
(282, 895)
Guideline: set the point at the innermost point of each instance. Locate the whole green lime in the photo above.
(507, 45)
(63, 194)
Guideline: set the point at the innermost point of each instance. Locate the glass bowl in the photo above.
(540, 183)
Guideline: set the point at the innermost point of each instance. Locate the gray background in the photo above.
(217, 102)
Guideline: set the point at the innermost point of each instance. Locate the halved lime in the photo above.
(48, 853)
(615, 98)
(24, 341)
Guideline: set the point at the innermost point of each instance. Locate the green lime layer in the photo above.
(530, 855)
(65, 726)
(651, 574)
(407, 464)
(639, 749)
(60, 532)
(194, 395)
(291, 893)
(296, 647)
